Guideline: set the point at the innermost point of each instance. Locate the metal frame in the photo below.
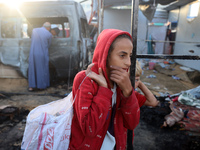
(134, 24)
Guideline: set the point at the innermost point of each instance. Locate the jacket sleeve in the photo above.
(92, 104)
(130, 110)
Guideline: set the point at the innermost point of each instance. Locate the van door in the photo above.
(62, 50)
(86, 44)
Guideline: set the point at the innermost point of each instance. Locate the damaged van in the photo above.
(69, 50)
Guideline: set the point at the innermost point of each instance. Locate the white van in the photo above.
(69, 50)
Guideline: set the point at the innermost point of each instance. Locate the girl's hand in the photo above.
(99, 78)
(139, 84)
(121, 78)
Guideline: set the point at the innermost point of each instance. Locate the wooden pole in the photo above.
(102, 15)
(99, 17)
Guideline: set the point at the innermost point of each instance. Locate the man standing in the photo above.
(38, 73)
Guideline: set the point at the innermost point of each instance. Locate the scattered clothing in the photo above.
(175, 116)
(188, 117)
(190, 97)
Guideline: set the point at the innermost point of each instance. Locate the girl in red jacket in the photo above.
(105, 103)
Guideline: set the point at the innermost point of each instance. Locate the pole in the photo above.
(99, 17)
(102, 15)
(134, 23)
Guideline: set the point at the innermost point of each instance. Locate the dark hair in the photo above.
(119, 37)
(56, 29)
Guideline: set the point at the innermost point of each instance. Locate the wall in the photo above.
(121, 19)
(158, 32)
(190, 32)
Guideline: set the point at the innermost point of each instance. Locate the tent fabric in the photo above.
(150, 48)
(178, 4)
(187, 32)
(147, 11)
(121, 19)
(146, 6)
(158, 30)
(109, 3)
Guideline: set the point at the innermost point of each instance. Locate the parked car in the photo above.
(68, 52)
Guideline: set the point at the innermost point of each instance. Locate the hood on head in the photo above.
(104, 41)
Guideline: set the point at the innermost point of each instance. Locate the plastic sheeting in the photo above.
(190, 97)
(121, 19)
(142, 2)
(146, 6)
(158, 31)
(187, 35)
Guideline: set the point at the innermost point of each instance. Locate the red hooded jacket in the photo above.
(93, 104)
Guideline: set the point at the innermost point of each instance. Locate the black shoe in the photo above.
(30, 89)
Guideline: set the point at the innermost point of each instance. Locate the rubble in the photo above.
(8, 110)
(150, 134)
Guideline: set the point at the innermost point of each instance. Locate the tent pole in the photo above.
(102, 16)
(99, 17)
(134, 24)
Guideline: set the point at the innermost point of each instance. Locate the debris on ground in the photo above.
(11, 130)
(150, 133)
(175, 77)
(185, 111)
(151, 76)
(175, 116)
(190, 97)
(8, 110)
(181, 135)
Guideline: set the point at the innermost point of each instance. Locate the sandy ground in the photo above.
(14, 92)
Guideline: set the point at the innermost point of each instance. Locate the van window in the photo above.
(59, 25)
(24, 31)
(8, 28)
(193, 11)
(56, 30)
(60, 30)
(67, 29)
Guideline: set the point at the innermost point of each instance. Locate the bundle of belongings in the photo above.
(185, 110)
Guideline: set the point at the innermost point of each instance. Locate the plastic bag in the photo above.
(48, 126)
